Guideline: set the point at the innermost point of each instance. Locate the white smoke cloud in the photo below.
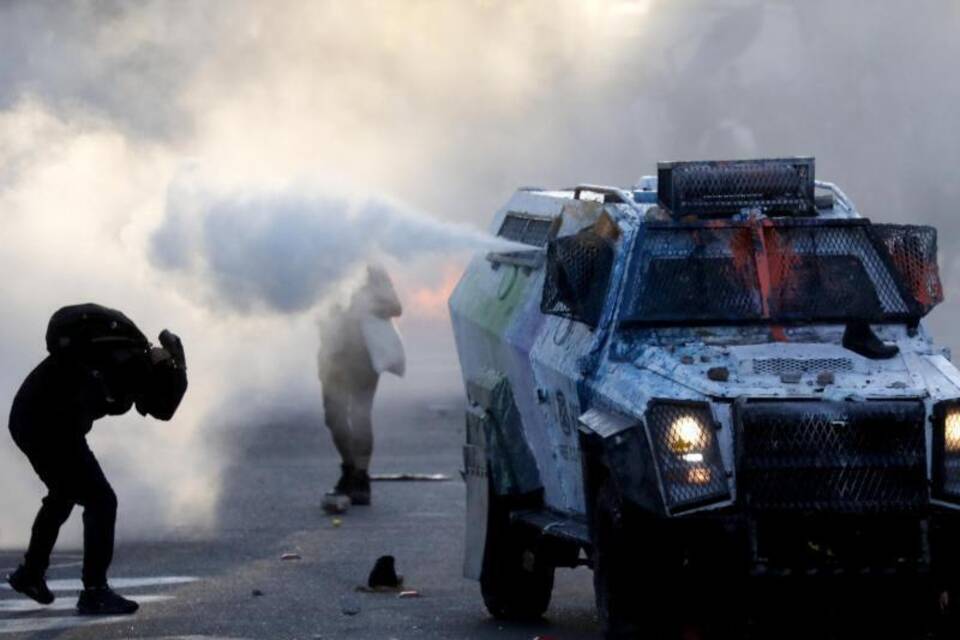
(284, 249)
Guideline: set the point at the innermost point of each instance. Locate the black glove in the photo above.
(171, 342)
(167, 382)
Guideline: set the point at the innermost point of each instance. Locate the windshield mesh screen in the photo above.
(820, 272)
(677, 269)
(784, 272)
(911, 253)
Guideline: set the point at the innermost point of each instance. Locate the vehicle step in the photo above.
(556, 525)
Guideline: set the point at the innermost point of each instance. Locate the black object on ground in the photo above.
(384, 574)
(409, 477)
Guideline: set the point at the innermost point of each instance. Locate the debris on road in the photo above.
(409, 477)
(256, 593)
(336, 503)
(290, 556)
(409, 593)
(442, 410)
(384, 574)
(336, 522)
(349, 606)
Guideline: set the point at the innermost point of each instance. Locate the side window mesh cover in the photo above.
(526, 229)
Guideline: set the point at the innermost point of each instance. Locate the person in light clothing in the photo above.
(358, 343)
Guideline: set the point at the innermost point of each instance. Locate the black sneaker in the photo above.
(32, 586)
(103, 601)
(360, 489)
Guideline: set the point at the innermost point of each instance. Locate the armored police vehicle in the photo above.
(723, 368)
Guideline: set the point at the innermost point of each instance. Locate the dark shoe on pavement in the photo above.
(103, 601)
(30, 585)
(360, 491)
(338, 500)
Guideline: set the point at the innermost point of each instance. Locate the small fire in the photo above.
(427, 302)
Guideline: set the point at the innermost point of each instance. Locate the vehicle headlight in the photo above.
(951, 430)
(687, 454)
(946, 438)
(688, 436)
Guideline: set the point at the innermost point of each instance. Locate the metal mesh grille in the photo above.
(785, 271)
(527, 229)
(725, 188)
(577, 274)
(828, 271)
(834, 457)
(911, 251)
(687, 455)
(696, 274)
(781, 366)
(841, 544)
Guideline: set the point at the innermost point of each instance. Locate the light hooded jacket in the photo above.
(361, 340)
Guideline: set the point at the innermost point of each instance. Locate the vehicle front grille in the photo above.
(835, 457)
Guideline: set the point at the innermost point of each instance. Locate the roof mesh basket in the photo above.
(725, 188)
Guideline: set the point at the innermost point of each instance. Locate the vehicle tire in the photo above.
(516, 581)
(634, 572)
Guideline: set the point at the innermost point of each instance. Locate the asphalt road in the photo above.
(204, 587)
(234, 584)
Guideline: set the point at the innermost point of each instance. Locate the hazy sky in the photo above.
(214, 167)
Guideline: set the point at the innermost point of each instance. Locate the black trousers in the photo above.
(73, 476)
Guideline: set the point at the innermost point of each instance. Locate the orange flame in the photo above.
(427, 302)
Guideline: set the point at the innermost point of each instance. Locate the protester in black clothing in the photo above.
(99, 364)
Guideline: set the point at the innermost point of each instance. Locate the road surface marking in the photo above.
(192, 638)
(25, 625)
(23, 620)
(64, 563)
(25, 605)
(117, 583)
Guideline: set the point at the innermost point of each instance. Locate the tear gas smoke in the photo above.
(283, 249)
(444, 106)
